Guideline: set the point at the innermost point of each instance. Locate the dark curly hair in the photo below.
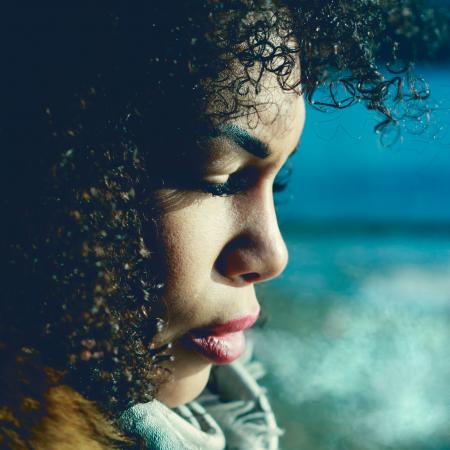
(100, 105)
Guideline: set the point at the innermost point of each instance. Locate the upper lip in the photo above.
(233, 326)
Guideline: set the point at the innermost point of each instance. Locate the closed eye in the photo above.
(239, 181)
(232, 184)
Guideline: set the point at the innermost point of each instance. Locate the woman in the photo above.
(141, 148)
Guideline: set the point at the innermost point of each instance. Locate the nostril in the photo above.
(251, 277)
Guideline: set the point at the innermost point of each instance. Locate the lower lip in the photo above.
(222, 349)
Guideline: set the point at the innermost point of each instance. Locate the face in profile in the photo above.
(223, 239)
(119, 249)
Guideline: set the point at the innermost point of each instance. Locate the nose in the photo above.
(257, 252)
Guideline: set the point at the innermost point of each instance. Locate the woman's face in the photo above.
(218, 247)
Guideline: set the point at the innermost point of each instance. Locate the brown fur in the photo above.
(39, 413)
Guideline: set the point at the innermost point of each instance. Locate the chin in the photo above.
(189, 376)
(183, 389)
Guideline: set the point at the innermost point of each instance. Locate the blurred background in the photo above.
(357, 339)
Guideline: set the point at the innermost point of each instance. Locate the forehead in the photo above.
(268, 135)
(275, 116)
(278, 123)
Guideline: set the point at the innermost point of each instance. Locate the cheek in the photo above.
(192, 238)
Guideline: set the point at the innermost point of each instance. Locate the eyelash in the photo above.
(282, 178)
(238, 182)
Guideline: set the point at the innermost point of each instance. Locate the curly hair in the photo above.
(100, 104)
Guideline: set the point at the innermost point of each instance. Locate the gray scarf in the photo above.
(232, 413)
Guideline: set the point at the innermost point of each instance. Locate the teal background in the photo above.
(355, 334)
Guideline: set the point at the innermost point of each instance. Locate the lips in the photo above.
(223, 343)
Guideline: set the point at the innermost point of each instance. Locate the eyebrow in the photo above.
(243, 139)
(246, 141)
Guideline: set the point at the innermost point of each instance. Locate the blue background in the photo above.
(356, 331)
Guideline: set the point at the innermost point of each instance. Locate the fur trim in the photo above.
(36, 412)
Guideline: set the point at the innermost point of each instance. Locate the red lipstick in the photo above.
(222, 343)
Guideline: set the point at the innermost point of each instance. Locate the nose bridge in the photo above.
(269, 249)
(260, 252)
(257, 251)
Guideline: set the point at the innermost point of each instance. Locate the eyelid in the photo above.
(216, 179)
(223, 166)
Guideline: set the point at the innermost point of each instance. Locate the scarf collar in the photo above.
(232, 413)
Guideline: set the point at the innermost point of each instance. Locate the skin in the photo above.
(218, 248)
